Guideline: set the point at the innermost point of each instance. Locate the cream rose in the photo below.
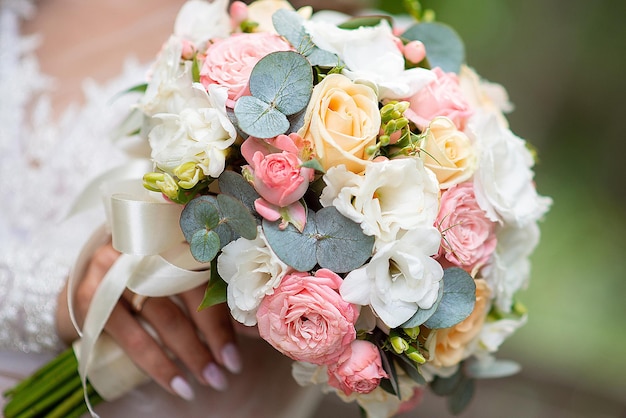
(342, 120)
(448, 346)
(448, 152)
(261, 12)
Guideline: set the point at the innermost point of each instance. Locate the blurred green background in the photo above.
(563, 64)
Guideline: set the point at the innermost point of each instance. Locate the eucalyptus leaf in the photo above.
(457, 303)
(237, 216)
(292, 247)
(283, 79)
(422, 315)
(259, 119)
(204, 245)
(460, 399)
(341, 244)
(444, 47)
(492, 369)
(296, 121)
(322, 58)
(215, 292)
(235, 185)
(315, 164)
(200, 213)
(360, 21)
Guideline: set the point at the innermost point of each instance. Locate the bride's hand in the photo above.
(203, 341)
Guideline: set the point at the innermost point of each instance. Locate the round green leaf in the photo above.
(341, 244)
(422, 315)
(457, 303)
(284, 80)
(292, 247)
(236, 186)
(204, 245)
(237, 216)
(199, 214)
(288, 24)
(444, 47)
(260, 119)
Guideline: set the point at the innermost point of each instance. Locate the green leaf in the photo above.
(410, 369)
(360, 21)
(215, 292)
(204, 245)
(237, 216)
(289, 24)
(235, 185)
(462, 396)
(292, 247)
(329, 239)
(259, 119)
(422, 315)
(492, 369)
(283, 79)
(445, 386)
(390, 368)
(444, 47)
(200, 214)
(315, 164)
(457, 303)
(341, 244)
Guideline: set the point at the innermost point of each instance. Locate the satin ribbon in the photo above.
(155, 262)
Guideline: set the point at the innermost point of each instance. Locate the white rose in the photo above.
(509, 268)
(370, 54)
(400, 278)
(252, 271)
(390, 196)
(201, 132)
(170, 81)
(503, 181)
(199, 20)
(482, 94)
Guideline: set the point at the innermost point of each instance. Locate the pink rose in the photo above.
(306, 319)
(359, 369)
(442, 97)
(230, 61)
(468, 235)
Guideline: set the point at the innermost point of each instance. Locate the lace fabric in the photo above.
(44, 164)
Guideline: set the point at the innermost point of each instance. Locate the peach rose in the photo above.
(342, 120)
(306, 319)
(230, 61)
(359, 369)
(448, 346)
(442, 97)
(448, 152)
(469, 236)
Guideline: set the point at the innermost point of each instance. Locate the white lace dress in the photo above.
(44, 163)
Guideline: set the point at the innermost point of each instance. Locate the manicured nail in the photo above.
(215, 377)
(231, 357)
(182, 388)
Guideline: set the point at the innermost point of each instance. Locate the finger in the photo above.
(178, 333)
(146, 352)
(215, 325)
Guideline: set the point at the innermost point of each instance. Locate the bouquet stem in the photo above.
(55, 390)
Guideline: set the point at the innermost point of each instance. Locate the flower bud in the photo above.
(413, 333)
(150, 181)
(189, 174)
(168, 186)
(415, 355)
(399, 344)
(384, 140)
(414, 51)
(386, 112)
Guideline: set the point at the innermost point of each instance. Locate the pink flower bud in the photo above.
(238, 13)
(414, 51)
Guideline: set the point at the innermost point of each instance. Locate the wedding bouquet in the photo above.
(353, 188)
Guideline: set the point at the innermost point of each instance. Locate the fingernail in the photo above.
(182, 388)
(215, 377)
(231, 357)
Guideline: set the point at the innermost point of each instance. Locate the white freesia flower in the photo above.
(200, 20)
(400, 278)
(170, 81)
(252, 271)
(390, 196)
(494, 333)
(201, 132)
(370, 54)
(503, 182)
(509, 268)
